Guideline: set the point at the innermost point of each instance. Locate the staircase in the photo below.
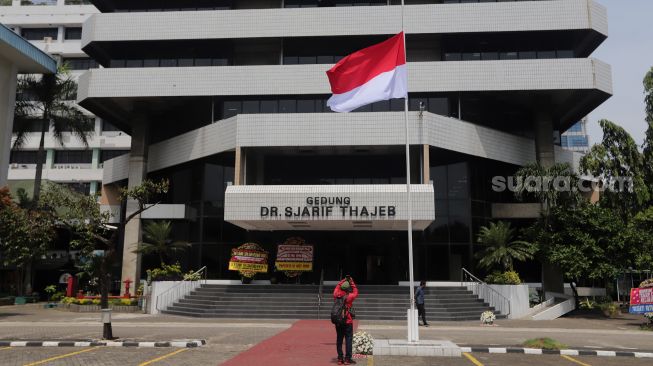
(301, 302)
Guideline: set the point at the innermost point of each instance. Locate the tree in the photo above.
(648, 142)
(639, 236)
(549, 186)
(615, 158)
(501, 248)
(157, 234)
(92, 228)
(45, 101)
(25, 236)
(586, 241)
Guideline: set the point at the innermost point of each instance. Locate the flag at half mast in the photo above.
(370, 75)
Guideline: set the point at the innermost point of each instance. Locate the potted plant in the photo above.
(488, 318)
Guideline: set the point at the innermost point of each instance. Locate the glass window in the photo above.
(527, 55)
(24, 157)
(73, 157)
(185, 62)
(325, 59)
(80, 63)
(108, 127)
(471, 56)
(202, 62)
(117, 63)
(306, 106)
(269, 106)
(546, 54)
(251, 106)
(508, 55)
(219, 62)
(73, 33)
(290, 60)
(39, 34)
(169, 62)
(151, 62)
(490, 55)
(287, 106)
(231, 108)
(565, 54)
(134, 63)
(452, 56)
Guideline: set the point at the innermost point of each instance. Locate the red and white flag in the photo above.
(370, 75)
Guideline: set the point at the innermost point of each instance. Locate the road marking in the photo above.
(3, 348)
(574, 360)
(370, 360)
(58, 357)
(472, 359)
(163, 357)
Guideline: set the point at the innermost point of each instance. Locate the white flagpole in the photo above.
(413, 336)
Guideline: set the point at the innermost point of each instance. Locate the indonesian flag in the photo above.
(370, 75)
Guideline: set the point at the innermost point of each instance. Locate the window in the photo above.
(108, 127)
(81, 63)
(25, 157)
(110, 154)
(287, 106)
(39, 34)
(73, 33)
(231, 109)
(73, 157)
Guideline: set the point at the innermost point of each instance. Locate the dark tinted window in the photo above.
(38, 34)
(73, 33)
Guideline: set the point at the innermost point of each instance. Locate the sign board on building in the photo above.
(294, 258)
(249, 258)
(641, 300)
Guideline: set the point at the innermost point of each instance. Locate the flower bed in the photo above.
(96, 308)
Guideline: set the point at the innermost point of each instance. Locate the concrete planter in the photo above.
(518, 296)
(96, 308)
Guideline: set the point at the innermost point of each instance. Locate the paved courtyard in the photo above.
(227, 338)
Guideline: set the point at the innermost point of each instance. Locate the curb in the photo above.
(564, 352)
(176, 344)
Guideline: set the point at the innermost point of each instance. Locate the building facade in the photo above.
(576, 138)
(55, 26)
(226, 100)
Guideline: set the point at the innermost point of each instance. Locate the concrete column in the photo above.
(61, 34)
(49, 159)
(239, 172)
(7, 103)
(543, 129)
(94, 186)
(131, 262)
(552, 276)
(426, 164)
(96, 159)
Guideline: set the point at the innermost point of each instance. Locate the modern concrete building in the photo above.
(16, 56)
(226, 99)
(55, 27)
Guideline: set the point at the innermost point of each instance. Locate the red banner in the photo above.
(641, 296)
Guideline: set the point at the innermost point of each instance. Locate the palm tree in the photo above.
(501, 249)
(46, 101)
(157, 234)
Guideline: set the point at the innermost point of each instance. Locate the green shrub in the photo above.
(96, 302)
(68, 300)
(165, 273)
(505, 278)
(544, 343)
(58, 296)
(610, 309)
(587, 304)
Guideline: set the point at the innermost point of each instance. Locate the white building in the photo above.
(226, 99)
(55, 26)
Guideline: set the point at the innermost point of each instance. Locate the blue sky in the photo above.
(629, 50)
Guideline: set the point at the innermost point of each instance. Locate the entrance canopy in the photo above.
(329, 207)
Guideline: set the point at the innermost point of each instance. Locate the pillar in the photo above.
(239, 173)
(131, 262)
(8, 81)
(552, 276)
(426, 164)
(49, 159)
(95, 163)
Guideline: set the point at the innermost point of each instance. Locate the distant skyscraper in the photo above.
(576, 137)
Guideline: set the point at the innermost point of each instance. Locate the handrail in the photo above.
(481, 289)
(319, 293)
(180, 290)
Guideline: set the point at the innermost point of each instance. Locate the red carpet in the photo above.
(306, 342)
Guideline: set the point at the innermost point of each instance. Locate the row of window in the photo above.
(303, 60)
(64, 156)
(231, 108)
(37, 125)
(574, 141)
(81, 63)
(39, 34)
(514, 55)
(229, 4)
(45, 2)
